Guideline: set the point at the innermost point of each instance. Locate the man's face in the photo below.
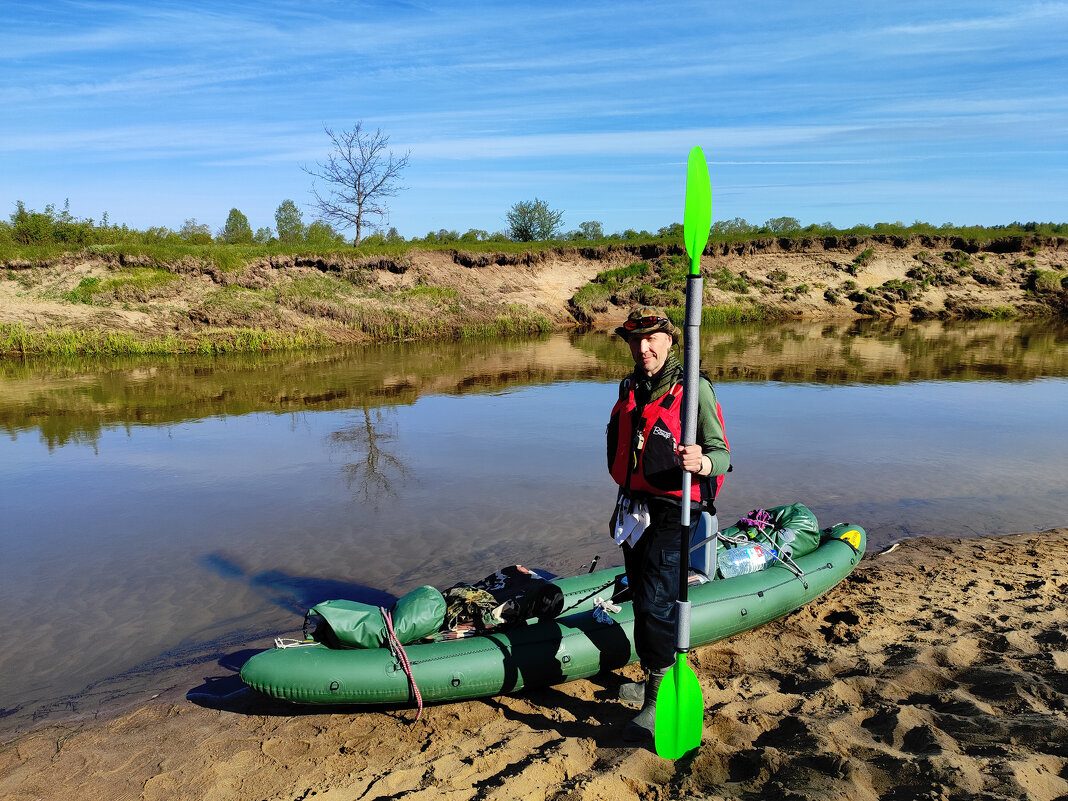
(650, 351)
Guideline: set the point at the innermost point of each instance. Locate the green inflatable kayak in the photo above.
(582, 641)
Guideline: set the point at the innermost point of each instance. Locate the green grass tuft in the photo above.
(16, 339)
(131, 284)
(728, 314)
(618, 275)
(1045, 280)
(729, 282)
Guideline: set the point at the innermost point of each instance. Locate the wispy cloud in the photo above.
(165, 141)
(169, 80)
(653, 142)
(1020, 17)
(265, 144)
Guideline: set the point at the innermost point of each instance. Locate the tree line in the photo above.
(529, 221)
(60, 227)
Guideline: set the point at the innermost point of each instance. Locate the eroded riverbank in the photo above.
(118, 303)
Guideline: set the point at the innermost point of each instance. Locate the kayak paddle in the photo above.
(680, 707)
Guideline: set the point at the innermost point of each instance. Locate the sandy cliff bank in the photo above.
(443, 293)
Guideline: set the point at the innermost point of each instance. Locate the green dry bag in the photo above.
(796, 517)
(348, 624)
(351, 624)
(418, 614)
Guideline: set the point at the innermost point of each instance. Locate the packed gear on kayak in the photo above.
(333, 668)
(498, 602)
(516, 594)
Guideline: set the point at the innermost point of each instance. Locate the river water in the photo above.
(156, 513)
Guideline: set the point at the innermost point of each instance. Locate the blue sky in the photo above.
(841, 112)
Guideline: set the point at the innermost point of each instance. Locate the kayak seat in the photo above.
(704, 550)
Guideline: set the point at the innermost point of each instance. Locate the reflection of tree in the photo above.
(374, 474)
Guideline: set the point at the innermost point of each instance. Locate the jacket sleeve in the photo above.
(710, 430)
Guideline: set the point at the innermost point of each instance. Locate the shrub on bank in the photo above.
(1046, 280)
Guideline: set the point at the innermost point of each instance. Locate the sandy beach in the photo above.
(938, 670)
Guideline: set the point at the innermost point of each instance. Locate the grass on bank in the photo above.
(727, 314)
(1046, 281)
(223, 256)
(997, 313)
(664, 285)
(138, 284)
(377, 323)
(16, 339)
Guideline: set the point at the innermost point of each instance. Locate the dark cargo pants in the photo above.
(653, 575)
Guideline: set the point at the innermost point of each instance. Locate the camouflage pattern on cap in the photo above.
(663, 324)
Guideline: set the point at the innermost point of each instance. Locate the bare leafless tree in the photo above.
(360, 172)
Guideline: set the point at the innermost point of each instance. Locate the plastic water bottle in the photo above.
(746, 559)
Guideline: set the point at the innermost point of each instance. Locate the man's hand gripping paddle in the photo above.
(680, 708)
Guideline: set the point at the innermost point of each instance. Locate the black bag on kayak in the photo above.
(519, 595)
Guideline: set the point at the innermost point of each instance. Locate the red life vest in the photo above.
(642, 448)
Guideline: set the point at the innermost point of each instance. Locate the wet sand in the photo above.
(936, 671)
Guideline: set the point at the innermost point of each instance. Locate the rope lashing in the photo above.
(399, 654)
(764, 523)
(760, 519)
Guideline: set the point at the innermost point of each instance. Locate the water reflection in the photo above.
(887, 351)
(373, 476)
(72, 401)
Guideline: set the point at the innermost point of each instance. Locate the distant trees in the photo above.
(236, 231)
(360, 173)
(28, 228)
(783, 225)
(322, 234)
(740, 227)
(157, 234)
(31, 227)
(735, 227)
(195, 233)
(289, 222)
(442, 236)
(533, 220)
(591, 230)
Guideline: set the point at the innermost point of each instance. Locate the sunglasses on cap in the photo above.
(645, 322)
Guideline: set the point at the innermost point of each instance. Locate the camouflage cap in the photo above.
(648, 320)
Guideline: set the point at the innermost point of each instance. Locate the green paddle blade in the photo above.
(680, 712)
(698, 220)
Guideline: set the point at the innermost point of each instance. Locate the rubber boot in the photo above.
(633, 692)
(644, 723)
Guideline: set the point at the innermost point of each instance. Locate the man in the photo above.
(646, 460)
